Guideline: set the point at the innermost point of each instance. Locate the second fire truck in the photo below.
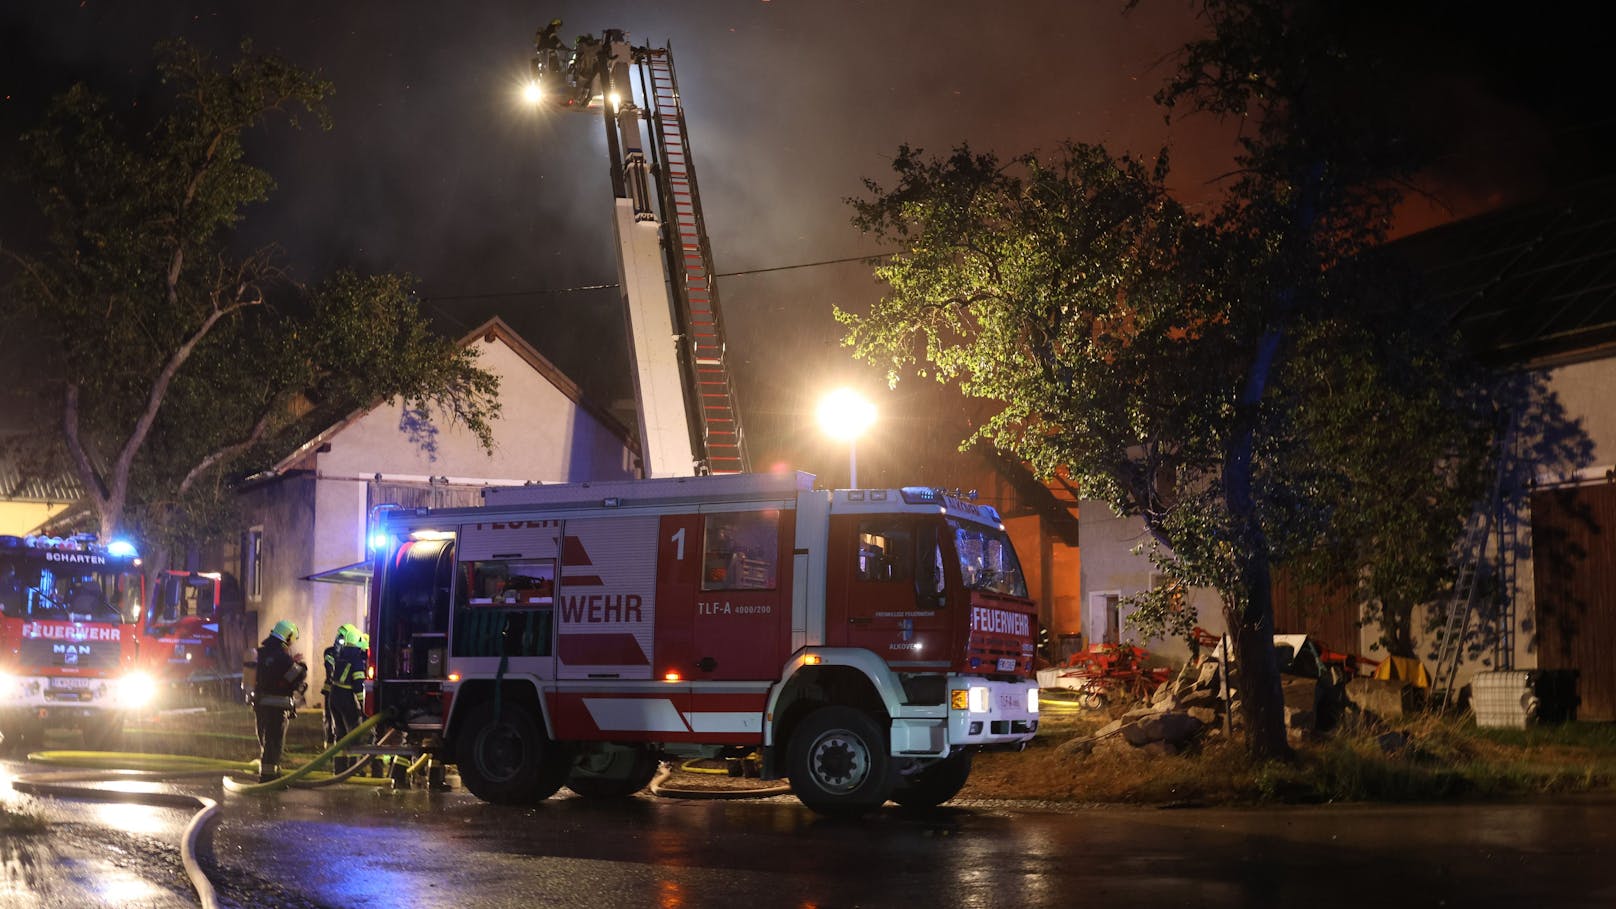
(68, 639)
(864, 642)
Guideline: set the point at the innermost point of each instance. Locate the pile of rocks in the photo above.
(1196, 704)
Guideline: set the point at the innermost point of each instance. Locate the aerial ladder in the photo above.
(689, 421)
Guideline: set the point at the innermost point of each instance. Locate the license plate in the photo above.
(70, 683)
(1007, 665)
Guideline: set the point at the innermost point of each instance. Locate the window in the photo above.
(987, 560)
(498, 582)
(741, 551)
(252, 563)
(886, 550)
(505, 607)
(65, 592)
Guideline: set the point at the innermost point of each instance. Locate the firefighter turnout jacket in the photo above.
(344, 668)
(279, 676)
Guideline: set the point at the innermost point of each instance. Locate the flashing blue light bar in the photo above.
(920, 495)
(121, 549)
(379, 541)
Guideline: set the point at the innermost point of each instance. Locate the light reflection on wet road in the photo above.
(362, 847)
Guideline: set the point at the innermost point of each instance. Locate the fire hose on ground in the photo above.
(176, 767)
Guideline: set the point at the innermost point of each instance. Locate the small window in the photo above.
(515, 583)
(505, 607)
(886, 550)
(252, 563)
(741, 551)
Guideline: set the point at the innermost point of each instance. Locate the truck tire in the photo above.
(22, 734)
(837, 761)
(936, 784)
(616, 775)
(509, 760)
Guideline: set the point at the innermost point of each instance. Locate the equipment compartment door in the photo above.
(606, 600)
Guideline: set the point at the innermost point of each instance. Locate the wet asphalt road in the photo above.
(354, 846)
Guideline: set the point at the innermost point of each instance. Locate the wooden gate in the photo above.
(1574, 570)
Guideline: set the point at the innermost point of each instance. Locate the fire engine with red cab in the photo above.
(864, 642)
(68, 638)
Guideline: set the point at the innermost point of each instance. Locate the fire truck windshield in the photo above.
(987, 560)
(32, 589)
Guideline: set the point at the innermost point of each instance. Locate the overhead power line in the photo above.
(580, 288)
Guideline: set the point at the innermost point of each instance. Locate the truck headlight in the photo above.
(8, 687)
(975, 699)
(137, 689)
(1032, 700)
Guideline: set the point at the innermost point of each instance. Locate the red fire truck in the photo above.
(864, 642)
(193, 638)
(68, 643)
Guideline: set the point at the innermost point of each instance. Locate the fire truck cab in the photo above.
(864, 642)
(193, 636)
(68, 642)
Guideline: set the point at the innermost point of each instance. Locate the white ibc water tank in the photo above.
(1503, 700)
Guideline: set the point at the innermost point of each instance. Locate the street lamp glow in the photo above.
(531, 93)
(845, 414)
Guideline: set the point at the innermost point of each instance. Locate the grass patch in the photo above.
(1444, 759)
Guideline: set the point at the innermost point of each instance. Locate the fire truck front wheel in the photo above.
(837, 761)
(20, 734)
(506, 758)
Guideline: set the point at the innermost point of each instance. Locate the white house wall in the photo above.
(1109, 565)
(1586, 390)
(541, 435)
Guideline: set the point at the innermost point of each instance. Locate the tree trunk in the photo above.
(1262, 699)
(1251, 615)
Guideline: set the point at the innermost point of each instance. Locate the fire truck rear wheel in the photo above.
(837, 761)
(624, 772)
(509, 760)
(935, 784)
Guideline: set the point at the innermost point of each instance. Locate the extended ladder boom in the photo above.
(689, 420)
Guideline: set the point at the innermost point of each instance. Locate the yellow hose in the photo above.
(135, 760)
(281, 782)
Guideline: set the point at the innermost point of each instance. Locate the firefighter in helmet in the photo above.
(281, 675)
(329, 660)
(344, 676)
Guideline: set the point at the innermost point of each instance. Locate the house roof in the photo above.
(1533, 284)
(20, 485)
(491, 330)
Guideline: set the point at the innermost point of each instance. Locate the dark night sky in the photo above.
(432, 167)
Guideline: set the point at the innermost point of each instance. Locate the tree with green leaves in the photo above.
(1251, 383)
(172, 362)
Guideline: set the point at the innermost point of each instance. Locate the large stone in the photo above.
(1381, 697)
(1109, 728)
(1175, 728)
(1078, 747)
(1206, 715)
(1135, 734)
(1299, 692)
